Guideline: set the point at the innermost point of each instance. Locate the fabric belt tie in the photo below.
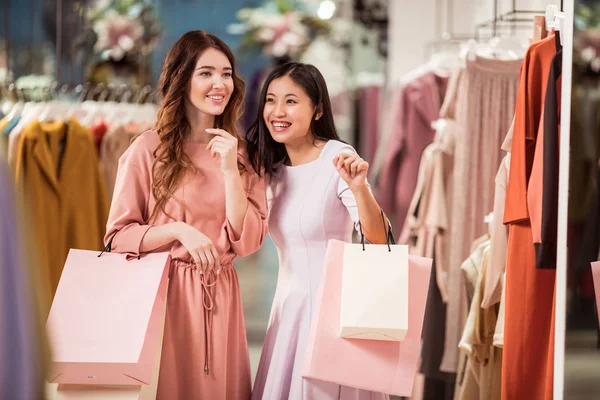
(208, 280)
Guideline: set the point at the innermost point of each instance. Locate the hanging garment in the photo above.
(114, 144)
(542, 192)
(29, 114)
(390, 117)
(438, 384)
(57, 169)
(6, 126)
(485, 107)
(419, 106)
(300, 227)
(499, 331)
(428, 218)
(98, 130)
(369, 122)
(204, 325)
(24, 352)
(527, 368)
(483, 368)
(492, 291)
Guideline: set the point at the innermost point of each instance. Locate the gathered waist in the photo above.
(185, 263)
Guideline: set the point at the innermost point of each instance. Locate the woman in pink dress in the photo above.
(187, 188)
(317, 191)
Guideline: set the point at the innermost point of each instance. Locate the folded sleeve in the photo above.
(254, 228)
(127, 220)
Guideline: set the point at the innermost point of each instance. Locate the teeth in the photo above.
(216, 97)
(276, 125)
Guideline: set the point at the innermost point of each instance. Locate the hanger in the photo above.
(555, 19)
(55, 109)
(17, 108)
(508, 48)
(94, 108)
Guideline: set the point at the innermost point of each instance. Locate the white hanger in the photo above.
(468, 50)
(559, 23)
(507, 48)
(551, 10)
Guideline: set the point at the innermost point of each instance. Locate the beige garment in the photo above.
(441, 195)
(485, 107)
(471, 269)
(499, 243)
(428, 221)
(409, 233)
(448, 109)
(499, 332)
(114, 144)
(507, 143)
(480, 382)
(481, 377)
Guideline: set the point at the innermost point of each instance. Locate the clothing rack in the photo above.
(511, 19)
(87, 91)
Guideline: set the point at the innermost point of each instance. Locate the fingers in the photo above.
(362, 166)
(203, 261)
(218, 149)
(354, 166)
(196, 258)
(350, 164)
(211, 259)
(220, 133)
(217, 139)
(217, 259)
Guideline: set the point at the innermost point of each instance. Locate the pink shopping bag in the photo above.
(596, 277)
(106, 319)
(381, 366)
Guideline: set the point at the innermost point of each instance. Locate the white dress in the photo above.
(308, 205)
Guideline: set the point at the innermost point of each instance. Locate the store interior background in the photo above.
(409, 30)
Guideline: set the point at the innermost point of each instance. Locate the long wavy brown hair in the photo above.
(172, 124)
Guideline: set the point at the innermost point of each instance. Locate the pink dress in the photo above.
(308, 205)
(204, 327)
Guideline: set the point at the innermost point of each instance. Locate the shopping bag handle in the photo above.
(108, 247)
(388, 231)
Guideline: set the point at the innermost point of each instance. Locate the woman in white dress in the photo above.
(317, 191)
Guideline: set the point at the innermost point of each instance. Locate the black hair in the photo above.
(264, 153)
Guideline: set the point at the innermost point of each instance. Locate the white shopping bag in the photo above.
(374, 291)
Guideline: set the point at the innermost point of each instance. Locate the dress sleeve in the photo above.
(254, 228)
(129, 210)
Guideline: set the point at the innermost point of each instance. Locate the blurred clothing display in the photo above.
(463, 190)
(64, 157)
(24, 302)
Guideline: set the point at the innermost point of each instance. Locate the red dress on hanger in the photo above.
(527, 370)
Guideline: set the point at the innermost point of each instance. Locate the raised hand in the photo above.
(352, 169)
(225, 146)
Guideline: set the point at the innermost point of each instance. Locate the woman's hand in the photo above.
(200, 247)
(224, 145)
(352, 169)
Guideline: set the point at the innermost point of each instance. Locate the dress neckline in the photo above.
(296, 167)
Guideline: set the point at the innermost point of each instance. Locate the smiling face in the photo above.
(288, 111)
(211, 83)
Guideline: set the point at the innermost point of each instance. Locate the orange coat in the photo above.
(57, 170)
